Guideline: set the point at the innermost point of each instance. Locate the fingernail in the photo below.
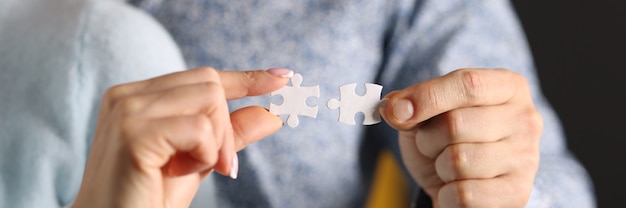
(402, 110)
(281, 72)
(234, 168)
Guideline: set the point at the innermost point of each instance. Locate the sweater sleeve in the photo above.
(432, 38)
(57, 57)
(119, 44)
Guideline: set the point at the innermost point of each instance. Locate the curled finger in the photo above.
(177, 145)
(469, 125)
(503, 191)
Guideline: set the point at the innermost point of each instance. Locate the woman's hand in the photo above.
(469, 138)
(157, 139)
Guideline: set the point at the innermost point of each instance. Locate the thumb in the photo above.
(238, 84)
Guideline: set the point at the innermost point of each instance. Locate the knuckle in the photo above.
(472, 83)
(520, 81)
(202, 126)
(211, 88)
(434, 99)
(519, 78)
(464, 197)
(129, 105)
(113, 94)
(249, 76)
(531, 124)
(519, 192)
(134, 136)
(208, 72)
(453, 121)
(535, 123)
(529, 158)
(128, 129)
(247, 79)
(456, 161)
(526, 191)
(530, 163)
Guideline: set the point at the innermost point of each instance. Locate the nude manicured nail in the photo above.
(234, 168)
(403, 109)
(281, 72)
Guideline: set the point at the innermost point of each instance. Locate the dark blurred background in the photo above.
(579, 47)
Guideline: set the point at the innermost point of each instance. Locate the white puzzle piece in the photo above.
(294, 101)
(351, 103)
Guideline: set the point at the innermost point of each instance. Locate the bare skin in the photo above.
(469, 138)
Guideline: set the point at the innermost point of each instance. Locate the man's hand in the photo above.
(469, 138)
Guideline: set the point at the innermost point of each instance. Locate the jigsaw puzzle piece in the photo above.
(350, 103)
(294, 101)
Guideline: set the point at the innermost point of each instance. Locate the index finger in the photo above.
(238, 84)
(461, 88)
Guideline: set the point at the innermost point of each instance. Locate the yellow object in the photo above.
(390, 188)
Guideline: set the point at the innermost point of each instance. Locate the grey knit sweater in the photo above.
(58, 56)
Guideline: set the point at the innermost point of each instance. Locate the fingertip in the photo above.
(281, 72)
(278, 78)
(234, 167)
(397, 108)
(402, 110)
(253, 123)
(224, 164)
(383, 106)
(383, 103)
(226, 150)
(277, 117)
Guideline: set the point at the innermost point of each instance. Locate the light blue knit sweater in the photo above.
(58, 56)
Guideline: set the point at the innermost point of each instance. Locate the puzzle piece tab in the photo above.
(351, 103)
(294, 101)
